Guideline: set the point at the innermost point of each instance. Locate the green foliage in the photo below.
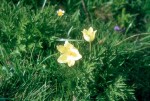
(116, 68)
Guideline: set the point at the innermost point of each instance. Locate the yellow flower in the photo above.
(89, 35)
(65, 47)
(69, 54)
(60, 12)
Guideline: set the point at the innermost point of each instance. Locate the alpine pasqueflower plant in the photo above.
(89, 35)
(60, 12)
(69, 54)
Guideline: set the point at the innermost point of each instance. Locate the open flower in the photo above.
(89, 35)
(69, 54)
(63, 48)
(60, 12)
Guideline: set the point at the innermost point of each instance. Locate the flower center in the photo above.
(60, 13)
(72, 54)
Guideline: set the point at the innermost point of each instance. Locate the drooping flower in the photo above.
(60, 12)
(89, 35)
(69, 54)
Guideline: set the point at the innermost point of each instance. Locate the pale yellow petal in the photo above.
(63, 11)
(79, 56)
(61, 48)
(86, 37)
(71, 63)
(68, 45)
(90, 30)
(62, 59)
(75, 55)
(85, 31)
(93, 35)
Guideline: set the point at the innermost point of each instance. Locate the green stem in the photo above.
(48, 58)
(90, 47)
(44, 4)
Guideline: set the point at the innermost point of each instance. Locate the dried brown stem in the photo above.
(85, 10)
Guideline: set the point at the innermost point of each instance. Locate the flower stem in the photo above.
(44, 4)
(90, 47)
(48, 57)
